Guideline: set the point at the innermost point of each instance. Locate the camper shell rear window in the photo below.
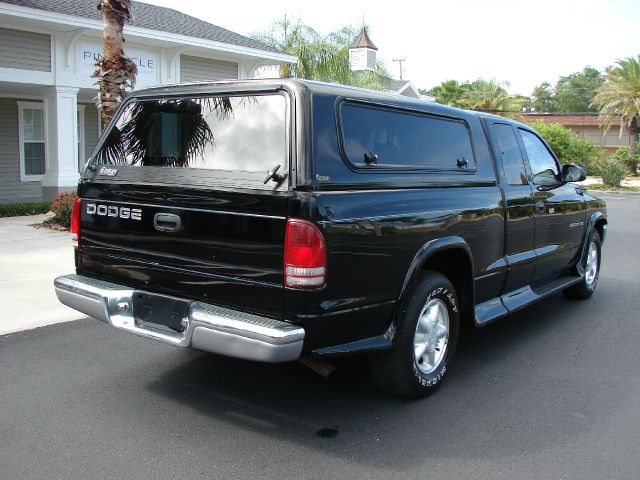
(243, 134)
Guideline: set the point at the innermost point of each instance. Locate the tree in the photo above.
(572, 93)
(450, 92)
(619, 97)
(543, 97)
(493, 97)
(483, 95)
(575, 92)
(324, 58)
(115, 72)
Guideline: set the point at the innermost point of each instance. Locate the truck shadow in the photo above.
(516, 386)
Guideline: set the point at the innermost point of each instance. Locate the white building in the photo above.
(48, 121)
(407, 89)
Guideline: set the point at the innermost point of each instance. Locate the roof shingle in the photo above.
(149, 16)
(363, 41)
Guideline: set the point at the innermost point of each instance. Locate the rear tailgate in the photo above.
(231, 257)
(161, 215)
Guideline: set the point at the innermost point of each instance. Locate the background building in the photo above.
(587, 125)
(48, 48)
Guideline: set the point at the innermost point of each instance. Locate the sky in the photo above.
(521, 42)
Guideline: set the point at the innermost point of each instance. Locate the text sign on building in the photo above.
(145, 60)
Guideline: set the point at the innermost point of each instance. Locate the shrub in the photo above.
(557, 136)
(20, 209)
(612, 172)
(568, 146)
(622, 155)
(586, 154)
(62, 208)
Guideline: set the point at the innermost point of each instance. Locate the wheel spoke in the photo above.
(440, 331)
(429, 359)
(423, 324)
(419, 350)
(433, 312)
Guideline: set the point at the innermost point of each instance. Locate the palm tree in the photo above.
(619, 97)
(115, 72)
(483, 95)
(135, 140)
(493, 97)
(451, 92)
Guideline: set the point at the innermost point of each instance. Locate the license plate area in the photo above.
(154, 310)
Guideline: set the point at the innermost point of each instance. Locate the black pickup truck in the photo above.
(277, 219)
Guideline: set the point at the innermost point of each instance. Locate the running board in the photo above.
(498, 307)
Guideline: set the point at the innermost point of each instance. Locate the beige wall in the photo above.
(611, 139)
(588, 126)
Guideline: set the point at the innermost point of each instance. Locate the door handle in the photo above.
(540, 207)
(167, 222)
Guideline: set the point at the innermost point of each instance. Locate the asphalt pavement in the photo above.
(551, 393)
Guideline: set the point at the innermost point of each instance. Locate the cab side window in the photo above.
(544, 167)
(510, 155)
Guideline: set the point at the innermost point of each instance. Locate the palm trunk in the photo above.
(632, 163)
(115, 72)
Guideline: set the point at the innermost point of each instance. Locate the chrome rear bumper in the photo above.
(207, 327)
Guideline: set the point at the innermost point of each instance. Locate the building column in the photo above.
(61, 139)
(248, 69)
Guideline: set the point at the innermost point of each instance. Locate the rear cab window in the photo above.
(232, 139)
(510, 155)
(377, 137)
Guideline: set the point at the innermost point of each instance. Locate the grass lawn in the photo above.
(603, 188)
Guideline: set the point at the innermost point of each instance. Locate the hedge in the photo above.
(20, 209)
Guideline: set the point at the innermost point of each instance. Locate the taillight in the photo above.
(75, 221)
(305, 255)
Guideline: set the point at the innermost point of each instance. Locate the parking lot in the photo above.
(550, 393)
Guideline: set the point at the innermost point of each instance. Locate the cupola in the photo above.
(362, 53)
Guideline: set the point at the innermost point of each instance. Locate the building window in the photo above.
(31, 138)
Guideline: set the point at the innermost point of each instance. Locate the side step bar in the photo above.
(206, 327)
(510, 302)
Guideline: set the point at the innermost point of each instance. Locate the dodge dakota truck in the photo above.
(277, 219)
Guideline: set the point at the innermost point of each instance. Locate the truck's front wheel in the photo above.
(425, 339)
(589, 280)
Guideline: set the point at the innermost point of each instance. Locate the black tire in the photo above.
(588, 283)
(397, 371)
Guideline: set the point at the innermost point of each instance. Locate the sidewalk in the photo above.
(625, 183)
(30, 258)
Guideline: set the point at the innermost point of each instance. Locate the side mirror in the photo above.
(572, 173)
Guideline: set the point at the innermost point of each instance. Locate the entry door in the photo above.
(520, 207)
(560, 211)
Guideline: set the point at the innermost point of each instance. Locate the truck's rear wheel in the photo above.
(425, 339)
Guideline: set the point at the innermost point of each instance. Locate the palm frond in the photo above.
(619, 95)
(136, 140)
